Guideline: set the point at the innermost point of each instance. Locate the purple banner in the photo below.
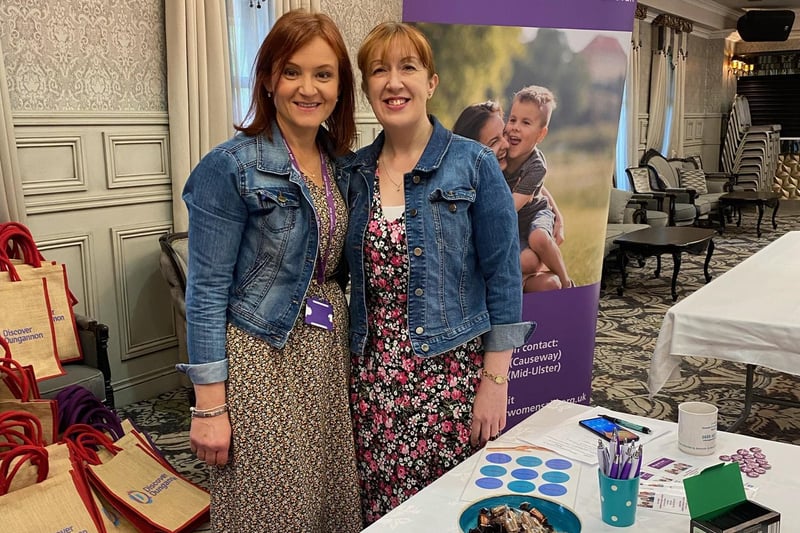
(613, 15)
(556, 362)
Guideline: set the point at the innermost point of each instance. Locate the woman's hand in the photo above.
(488, 411)
(210, 439)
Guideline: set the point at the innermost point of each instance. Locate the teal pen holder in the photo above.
(618, 499)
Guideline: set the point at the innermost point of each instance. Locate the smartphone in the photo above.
(605, 429)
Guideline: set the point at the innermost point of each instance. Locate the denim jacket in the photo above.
(253, 243)
(461, 228)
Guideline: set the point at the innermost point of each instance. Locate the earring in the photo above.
(269, 94)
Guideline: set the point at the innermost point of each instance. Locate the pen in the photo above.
(626, 424)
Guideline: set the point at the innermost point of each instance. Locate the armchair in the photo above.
(644, 182)
(93, 372)
(174, 262)
(668, 179)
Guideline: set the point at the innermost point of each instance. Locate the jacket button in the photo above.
(418, 251)
(452, 208)
(413, 212)
(419, 292)
(425, 347)
(420, 330)
(416, 179)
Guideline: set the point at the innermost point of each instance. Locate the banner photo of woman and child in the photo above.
(541, 84)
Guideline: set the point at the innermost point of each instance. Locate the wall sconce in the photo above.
(739, 68)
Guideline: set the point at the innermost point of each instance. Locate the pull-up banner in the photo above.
(577, 50)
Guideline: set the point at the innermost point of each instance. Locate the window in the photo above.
(248, 25)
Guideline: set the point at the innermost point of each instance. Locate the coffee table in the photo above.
(665, 240)
(739, 199)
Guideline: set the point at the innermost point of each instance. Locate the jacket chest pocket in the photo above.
(277, 208)
(451, 212)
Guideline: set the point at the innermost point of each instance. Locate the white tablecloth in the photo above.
(437, 507)
(750, 314)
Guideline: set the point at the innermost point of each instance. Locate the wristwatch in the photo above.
(495, 377)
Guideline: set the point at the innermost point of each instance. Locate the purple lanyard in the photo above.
(322, 261)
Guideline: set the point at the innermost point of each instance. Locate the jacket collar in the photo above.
(273, 157)
(430, 159)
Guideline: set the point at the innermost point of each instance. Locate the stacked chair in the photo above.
(750, 152)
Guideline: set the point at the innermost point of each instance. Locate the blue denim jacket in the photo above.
(253, 243)
(463, 243)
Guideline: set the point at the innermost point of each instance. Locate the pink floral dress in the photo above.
(412, 415)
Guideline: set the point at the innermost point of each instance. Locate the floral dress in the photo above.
(412, 415)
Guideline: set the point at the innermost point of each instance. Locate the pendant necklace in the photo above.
(397, 186)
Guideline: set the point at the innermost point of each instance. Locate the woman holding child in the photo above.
(436, 303)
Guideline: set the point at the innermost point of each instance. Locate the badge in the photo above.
(319, 313)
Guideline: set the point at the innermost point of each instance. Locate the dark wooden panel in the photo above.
(773, 100)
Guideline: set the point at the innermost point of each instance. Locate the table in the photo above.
(738, 199)
(662, 240)
(437, 507)
(744, 316)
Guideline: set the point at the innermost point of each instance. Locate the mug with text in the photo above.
(697, 428)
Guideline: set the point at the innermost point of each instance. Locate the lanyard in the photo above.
(322, 261)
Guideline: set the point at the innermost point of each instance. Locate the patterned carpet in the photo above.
(627, 329)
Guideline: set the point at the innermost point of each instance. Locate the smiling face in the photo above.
(398, 87)
(306, 89)
(492, 136)
(525, 129)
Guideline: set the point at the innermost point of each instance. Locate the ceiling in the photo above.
(743, 5)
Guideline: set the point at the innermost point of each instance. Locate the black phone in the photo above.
(605, 429)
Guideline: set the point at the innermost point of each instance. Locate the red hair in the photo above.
(291, 32)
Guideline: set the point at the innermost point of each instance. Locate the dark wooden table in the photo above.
(739, 199)
(665, 240)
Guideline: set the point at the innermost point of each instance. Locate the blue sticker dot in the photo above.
(498, 458)
(524, 473)
(521, 486)
(551, 490)
(489, 483)
(556, 477)
(493, 471)
(529, 460)
(559, 464)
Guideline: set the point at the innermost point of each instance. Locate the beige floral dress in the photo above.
(293, 460)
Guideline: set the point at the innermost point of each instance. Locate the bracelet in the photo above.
(208, 413)
(499, 379)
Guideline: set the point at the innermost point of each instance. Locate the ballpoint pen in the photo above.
(626, 424)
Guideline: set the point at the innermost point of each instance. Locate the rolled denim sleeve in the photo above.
(507, 336)
(217, 218)
(205, 373)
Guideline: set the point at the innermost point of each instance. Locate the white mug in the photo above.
(697, 428)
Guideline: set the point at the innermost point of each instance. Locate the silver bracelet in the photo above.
(208, 413)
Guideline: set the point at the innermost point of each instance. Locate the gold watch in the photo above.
(495, 377)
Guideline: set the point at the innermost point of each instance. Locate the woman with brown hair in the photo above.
(265, 307)
(436, 295)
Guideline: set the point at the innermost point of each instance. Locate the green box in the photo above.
(718, 504)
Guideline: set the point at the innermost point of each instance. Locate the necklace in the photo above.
(397, 185)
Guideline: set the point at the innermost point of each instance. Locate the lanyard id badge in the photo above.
(319, 313)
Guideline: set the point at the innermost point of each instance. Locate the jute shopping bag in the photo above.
(77, 405)
(59, 503)
(45, 410)
(66, 329)
(20, 427)
(148, 492)
(25, 322)
(25, 459)
(30, 264)
(15, 379)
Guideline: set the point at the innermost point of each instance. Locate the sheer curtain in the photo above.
(199, 88)
(247, 27)
(678, 127)
(627, 154)
(12, 202)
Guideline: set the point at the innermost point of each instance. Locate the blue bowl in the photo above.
(563, 519)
